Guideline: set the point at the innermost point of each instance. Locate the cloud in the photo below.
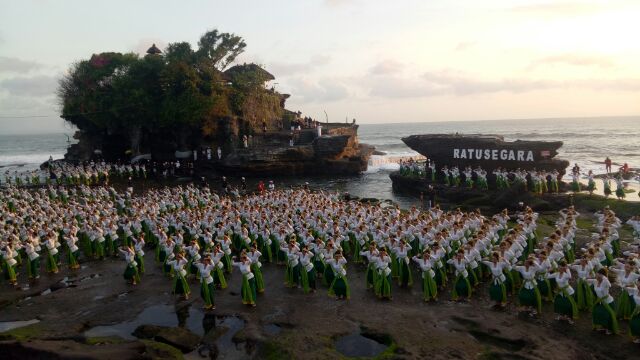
(334, 3)
(575, 60)
(287, 69)
(558, 9)
(323, 90)
(460, 84)
(40, 85)
(15, 65)
(394, 87)
(386, 67)
(464, 45)
(447, 82)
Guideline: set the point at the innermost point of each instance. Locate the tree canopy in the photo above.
(180, 92)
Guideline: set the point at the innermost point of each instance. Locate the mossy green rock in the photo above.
(180, 338)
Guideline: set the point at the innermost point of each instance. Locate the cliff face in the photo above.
(328, 154)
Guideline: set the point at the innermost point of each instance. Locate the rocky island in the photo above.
(185, 103)
(489, 153)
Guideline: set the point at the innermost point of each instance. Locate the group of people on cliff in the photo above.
(196, 235)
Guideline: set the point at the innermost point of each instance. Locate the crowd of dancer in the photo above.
(96, 173)
(198, 236)
(539, 182)
(62, 173)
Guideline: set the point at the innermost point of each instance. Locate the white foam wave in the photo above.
(26, 161)
(389, 162)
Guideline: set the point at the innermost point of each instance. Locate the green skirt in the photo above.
(257, 272)
(461, 287)
(584, 295)
(634, 323)
(207, 292)
(498, 292)
(131, 273)
(33, 267)
(383, 286)
(565, 305)
(72, 258)
(429, 287)
(328, 276)
(441, 277)
(248, 290)
(51, 264)
(339, 287)
(180, 285)
(370, 275)
(140, 260)
(530, 297)
(219, 279)
(308, 279)
(405, 278)
(9, 272)
(544, 286)
(604, 317)
(626, 306)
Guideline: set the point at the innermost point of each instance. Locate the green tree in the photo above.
(220, 49)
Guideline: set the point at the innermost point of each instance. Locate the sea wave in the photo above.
(26, 161)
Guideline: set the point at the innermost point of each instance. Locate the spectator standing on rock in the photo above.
(224, 184)
(607, 164)
(431, 195)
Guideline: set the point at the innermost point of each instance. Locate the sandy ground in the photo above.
(308, 324)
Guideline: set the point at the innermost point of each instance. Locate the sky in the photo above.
(378, 61)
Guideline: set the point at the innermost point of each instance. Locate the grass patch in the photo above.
(22, 333)
(584, 224)
(157, 350)
(623, 209)
(274, 351)
(104, 340)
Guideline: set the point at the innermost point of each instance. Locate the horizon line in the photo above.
(397, 123)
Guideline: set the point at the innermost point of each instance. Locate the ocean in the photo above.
(587, 141)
